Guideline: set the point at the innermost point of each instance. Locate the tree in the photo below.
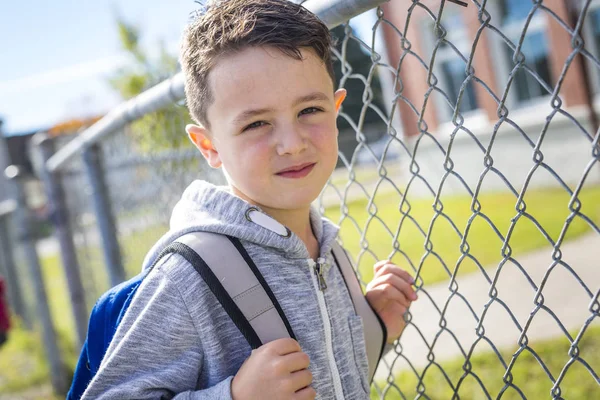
(162, 129)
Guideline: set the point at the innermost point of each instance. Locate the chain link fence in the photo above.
(143, 186)
(465, 323)
(468, 155)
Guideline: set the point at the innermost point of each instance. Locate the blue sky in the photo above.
(56, 55)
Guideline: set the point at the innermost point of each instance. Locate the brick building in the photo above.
(546, 46)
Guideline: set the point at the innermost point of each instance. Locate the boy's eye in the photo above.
(310, 110)
(254, 125)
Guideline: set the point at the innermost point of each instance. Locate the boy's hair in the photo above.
(227, 26)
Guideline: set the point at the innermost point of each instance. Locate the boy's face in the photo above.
(272, 126)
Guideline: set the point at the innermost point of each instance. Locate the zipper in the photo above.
(320, 285)
(319, 273)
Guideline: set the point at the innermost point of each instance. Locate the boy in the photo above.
(260, 85)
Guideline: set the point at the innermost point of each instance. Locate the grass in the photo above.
(23, 367)
(133, 248)
(527, 374)
(370, 239)
(22, 359)
(368, 174)
(22, 363)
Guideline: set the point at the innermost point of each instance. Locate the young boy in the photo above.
(260, 85)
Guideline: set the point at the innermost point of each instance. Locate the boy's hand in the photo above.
(390, 294)
(276, 370)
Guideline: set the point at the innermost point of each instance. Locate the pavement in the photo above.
(563, 294)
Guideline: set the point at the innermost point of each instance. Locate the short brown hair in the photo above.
(227, 26)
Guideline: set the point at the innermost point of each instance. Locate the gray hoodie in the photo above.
(176, 341)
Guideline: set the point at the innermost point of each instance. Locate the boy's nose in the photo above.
(290, 141)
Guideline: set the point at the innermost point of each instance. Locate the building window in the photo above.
(514, 10)
(450, 67)
(513, 15)
(453, 74)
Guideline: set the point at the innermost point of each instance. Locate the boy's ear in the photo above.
(339, 97)
(199, 136)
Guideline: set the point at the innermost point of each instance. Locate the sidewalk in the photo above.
(563, 294)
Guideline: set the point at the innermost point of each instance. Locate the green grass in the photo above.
(369, 174)
(22, 359)
(23, 363)
(527, 374)
(548, 207)
(134, 249)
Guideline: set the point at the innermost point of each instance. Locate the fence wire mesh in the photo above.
(488, 309)
(468, 156)
(143, 184)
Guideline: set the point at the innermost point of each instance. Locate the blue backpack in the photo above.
(195, 248)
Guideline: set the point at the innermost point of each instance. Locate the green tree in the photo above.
(162, 129)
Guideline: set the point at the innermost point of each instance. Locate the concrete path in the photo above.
(563, 294)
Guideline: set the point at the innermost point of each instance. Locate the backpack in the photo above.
(246, 298)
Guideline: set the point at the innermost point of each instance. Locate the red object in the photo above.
(4, 315)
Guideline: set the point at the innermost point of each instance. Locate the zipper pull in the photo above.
(319, 273)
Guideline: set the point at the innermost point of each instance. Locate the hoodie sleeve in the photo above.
(156, 352)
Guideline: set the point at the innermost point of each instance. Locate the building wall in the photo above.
(412, 74)
(566, 147)
(486, 58)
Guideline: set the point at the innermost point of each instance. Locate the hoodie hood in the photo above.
(206, 207)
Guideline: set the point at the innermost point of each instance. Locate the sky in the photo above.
(56, 56)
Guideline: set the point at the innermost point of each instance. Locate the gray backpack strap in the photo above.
(237, 283)
(375, 331)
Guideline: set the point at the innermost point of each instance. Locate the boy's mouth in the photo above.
(298, 171)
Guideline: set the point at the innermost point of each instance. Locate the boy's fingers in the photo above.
(301, 379)
(296, 361)
(308, 393)
(284, 346)
(391, 292)
(380, 264)
(396, 270)
(395, 281)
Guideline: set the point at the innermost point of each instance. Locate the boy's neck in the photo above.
(297, 220)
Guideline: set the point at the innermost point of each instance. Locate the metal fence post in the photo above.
(59, 216)
(7, 262)
(27, 244)
(92, 157)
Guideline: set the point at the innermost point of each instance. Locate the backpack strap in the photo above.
(231, 275)
(374, 328)
(243, 292)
